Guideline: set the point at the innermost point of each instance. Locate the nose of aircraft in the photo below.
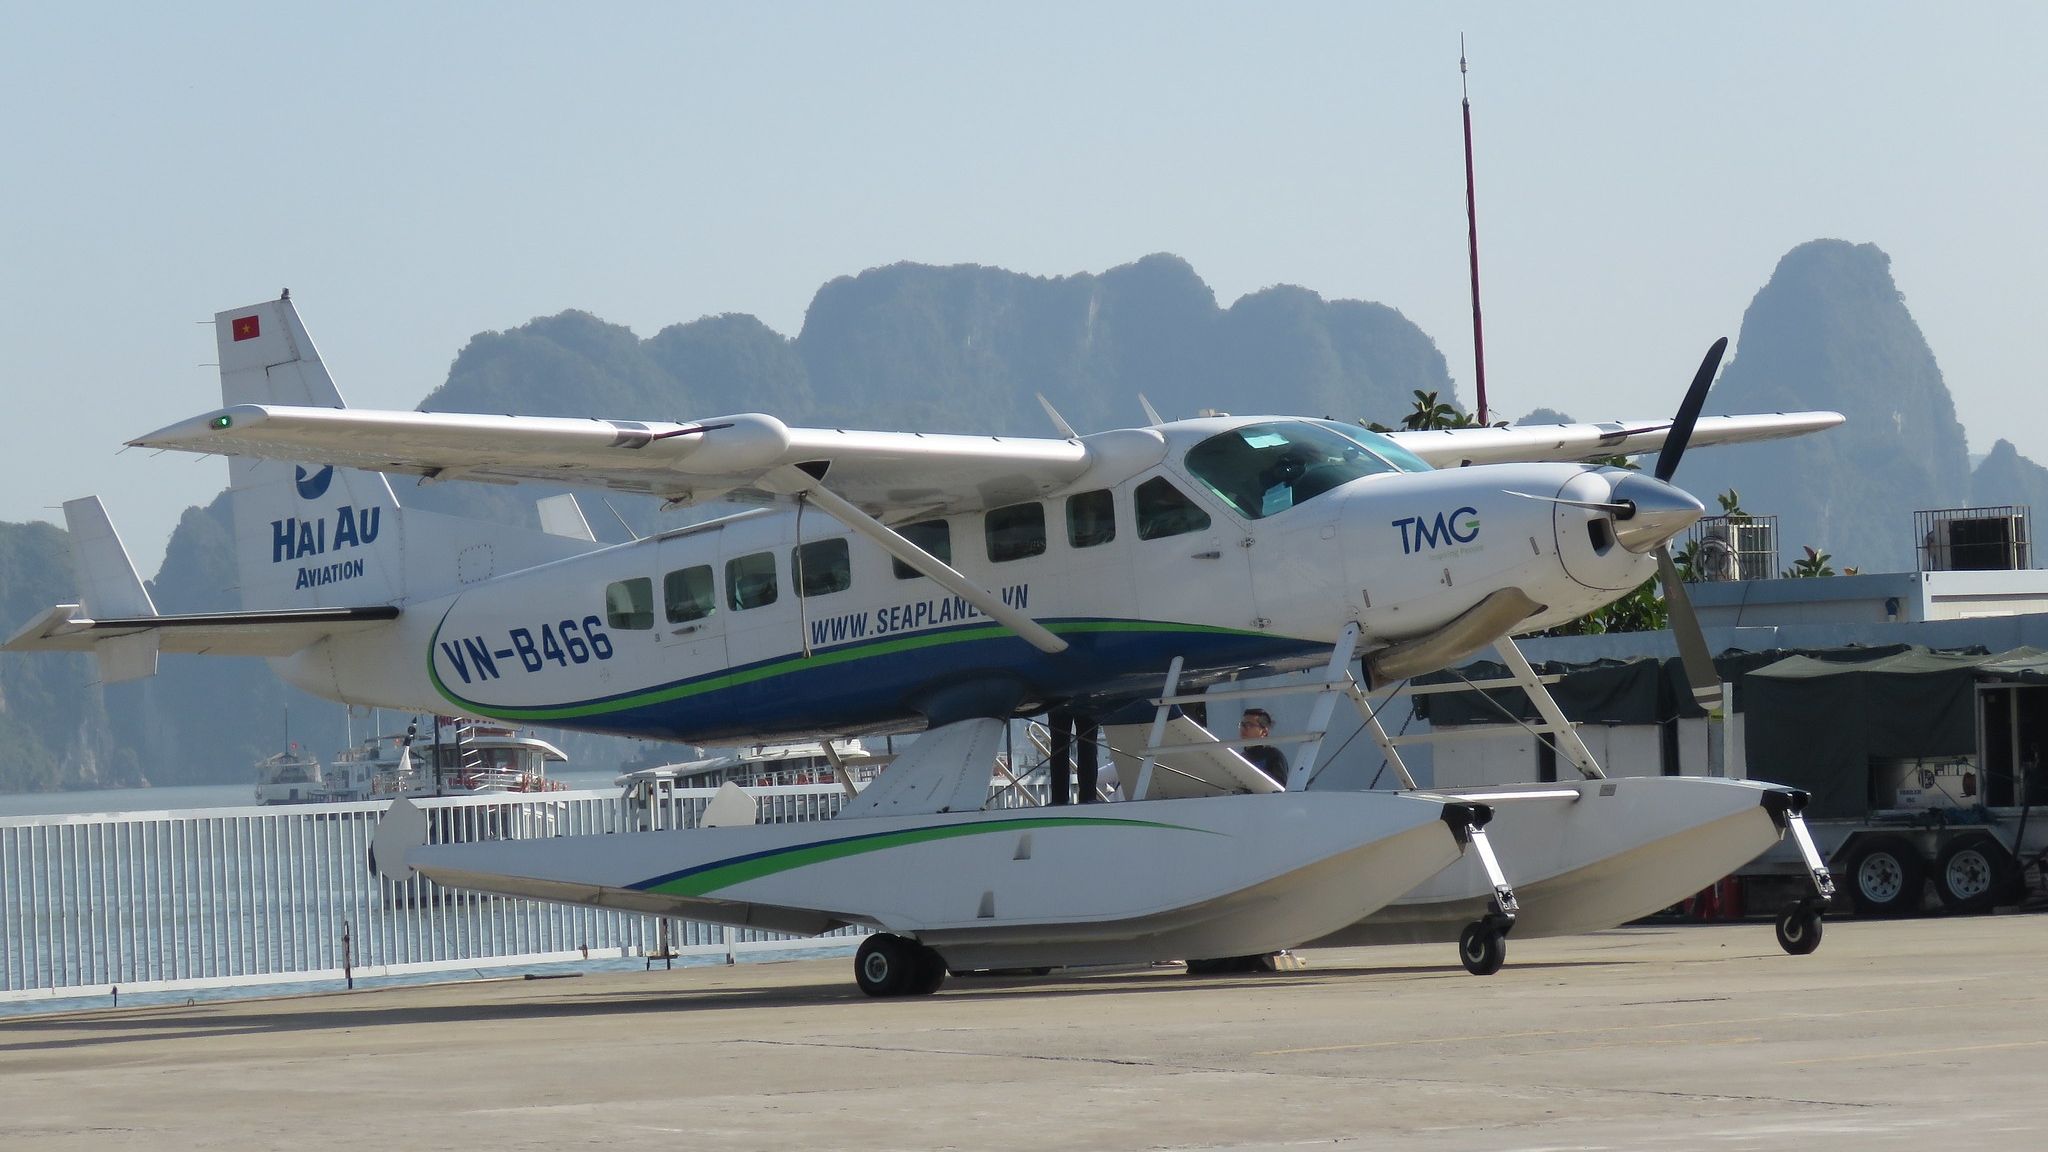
(1659, 511)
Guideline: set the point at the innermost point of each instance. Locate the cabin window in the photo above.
(1091, 518)
(1262, 469)
(629, 603)
(687, 594)
(750, 581)
(1164, 510)
(822, 567)
(934, 536)
(1015, 532)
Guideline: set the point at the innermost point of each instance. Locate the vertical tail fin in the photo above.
(106, 576)
(111, 589)
(305, 537)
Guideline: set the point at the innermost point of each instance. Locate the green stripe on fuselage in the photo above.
(797, 663)
(717, 876)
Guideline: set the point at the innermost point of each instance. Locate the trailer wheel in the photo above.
(1886, 876)
(885, 965)
(1799, 930)
(1482, 948)
(1972, 872)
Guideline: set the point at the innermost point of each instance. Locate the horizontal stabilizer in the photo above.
(277, 633)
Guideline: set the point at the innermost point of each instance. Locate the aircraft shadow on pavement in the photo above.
(363, 1009)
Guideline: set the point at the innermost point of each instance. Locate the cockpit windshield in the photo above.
(1263, 469)
(1381, 446)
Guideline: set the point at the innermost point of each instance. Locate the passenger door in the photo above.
(689, 619)
(1189, 560)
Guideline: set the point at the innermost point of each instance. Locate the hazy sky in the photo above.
(419, 173)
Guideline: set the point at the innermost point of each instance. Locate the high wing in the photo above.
(890, 474)
(1452, 447)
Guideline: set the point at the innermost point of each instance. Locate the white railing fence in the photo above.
(156, 901)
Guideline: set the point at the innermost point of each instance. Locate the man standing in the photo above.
(1257, 725)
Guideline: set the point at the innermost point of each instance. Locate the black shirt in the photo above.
(1269, 760)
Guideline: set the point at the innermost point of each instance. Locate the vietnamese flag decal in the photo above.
(246, 327)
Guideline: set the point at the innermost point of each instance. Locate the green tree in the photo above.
(1642, 610)
(1813, 565)
(1431, 414)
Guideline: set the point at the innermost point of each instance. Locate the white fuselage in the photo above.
(701, 633)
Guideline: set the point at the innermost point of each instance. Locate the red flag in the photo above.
(246, 327)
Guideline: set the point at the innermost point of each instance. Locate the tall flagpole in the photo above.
(1472, 235)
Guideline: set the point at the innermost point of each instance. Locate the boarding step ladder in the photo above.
(1336, 680)
(1481, 945)
(1562, 733)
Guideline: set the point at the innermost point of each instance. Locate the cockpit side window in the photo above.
(1164, 510)
(1091, 518)
(1263, 469)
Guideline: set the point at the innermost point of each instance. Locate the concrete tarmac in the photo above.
(1900, 1034)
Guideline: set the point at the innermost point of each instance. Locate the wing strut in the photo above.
(791, 480)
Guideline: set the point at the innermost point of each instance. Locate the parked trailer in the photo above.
(1899, 862)
(1927, 772)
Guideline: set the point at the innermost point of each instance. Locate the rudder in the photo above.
(305, 537)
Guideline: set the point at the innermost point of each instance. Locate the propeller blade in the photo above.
(1692, 642)
(1689, 411)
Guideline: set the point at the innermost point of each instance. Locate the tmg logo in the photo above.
(1419, 533)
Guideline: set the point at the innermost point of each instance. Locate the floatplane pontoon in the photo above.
(947, 885)
(1557, 859)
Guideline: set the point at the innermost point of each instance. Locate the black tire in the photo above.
(1886, 877)
(1482, 949)
(1972, 873)
(885, 965)
(1799, 930)
(928, 973)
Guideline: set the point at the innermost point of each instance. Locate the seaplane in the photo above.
(892, 581)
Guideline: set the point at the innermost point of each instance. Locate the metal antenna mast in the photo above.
(1472, 235)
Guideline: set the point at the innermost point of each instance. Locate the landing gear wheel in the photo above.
(927, 972)
(1971, 874)
(1482, 948)
(886, 965)
(1885, 877)
(1799, 930)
